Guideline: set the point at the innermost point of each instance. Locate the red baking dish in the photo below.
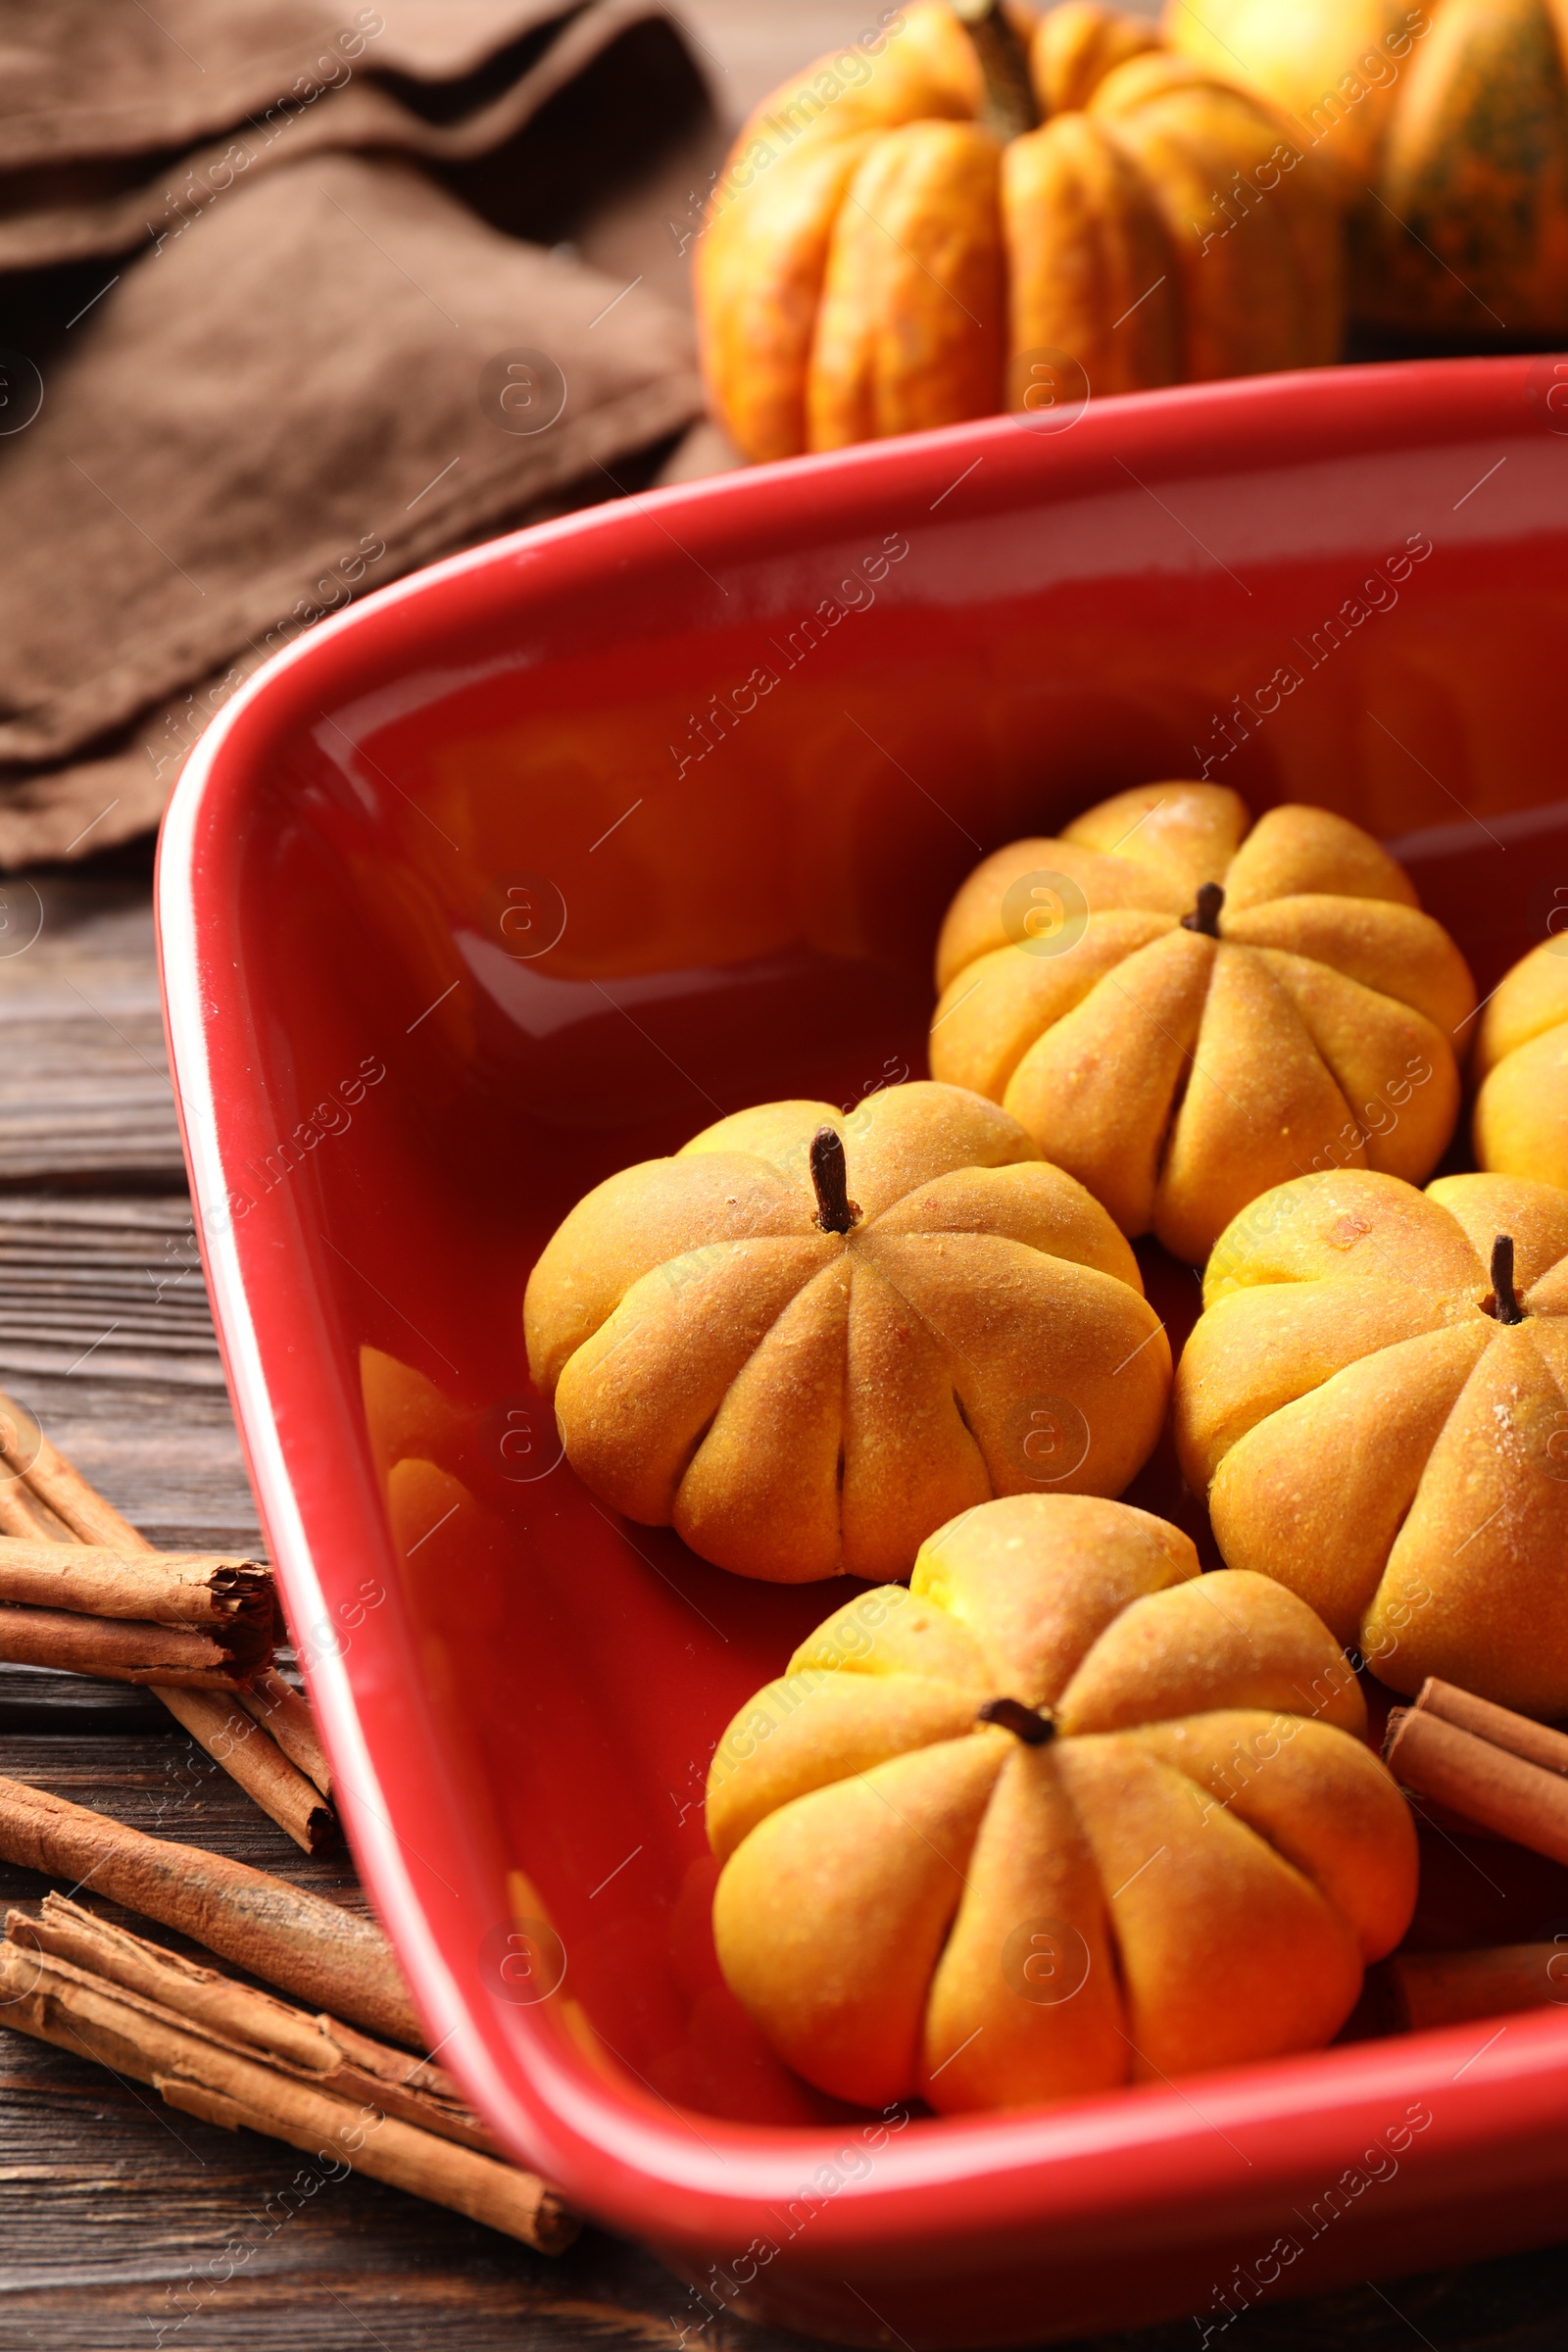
(534, 864)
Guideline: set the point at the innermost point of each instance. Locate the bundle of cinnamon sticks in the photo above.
(234, 2055)
(1496, 1769)
(228, 2051)
(79, 1588)
(1503, 1774)
(179, 1617)
(83, 1590)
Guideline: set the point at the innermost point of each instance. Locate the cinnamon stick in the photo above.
(1486, 1785)
(517, 2203)
(314, 1950)
(420, 2091)
(1449, 1988)
(23, 1517)
(45, 1478)
(237, 2012)
(120, 1649)
(220, 1722)
(59, 2002)
(349, 2064)
(171, 1587)
(1500, 1725)
(281, 1710)
(45, 1500)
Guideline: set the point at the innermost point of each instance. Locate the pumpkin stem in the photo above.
(1008, 107)
(836, 1212)
(1204, 916)
(1505, 1300)
(1032, 1725)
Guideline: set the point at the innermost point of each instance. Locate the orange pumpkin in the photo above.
(1447, 126)
(968, 225)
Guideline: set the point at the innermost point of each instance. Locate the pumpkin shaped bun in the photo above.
(808, 1339)
(975, 217)
(1375, 1400)
(1520, 1059)
(1185, 1007)
(1062, 1815)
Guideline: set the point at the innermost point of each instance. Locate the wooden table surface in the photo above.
(122, 2224)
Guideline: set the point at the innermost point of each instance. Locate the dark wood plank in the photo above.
(168, 1458)
(109, 1288)
(165, 1786)
(84, 1091)
(106, 1337)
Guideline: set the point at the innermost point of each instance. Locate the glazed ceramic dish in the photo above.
(534, 864)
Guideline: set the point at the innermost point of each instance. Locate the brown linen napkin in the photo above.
(94, 77)
(112, 135)
(337, 372)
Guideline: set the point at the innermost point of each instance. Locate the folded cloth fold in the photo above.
(336, 370)
(121, 140)
(94, 77)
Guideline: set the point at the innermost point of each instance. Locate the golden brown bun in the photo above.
(1369, 1433)
(1191, 1872)
(800, 1404)
(1521, 1057)
(1179, 1075)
